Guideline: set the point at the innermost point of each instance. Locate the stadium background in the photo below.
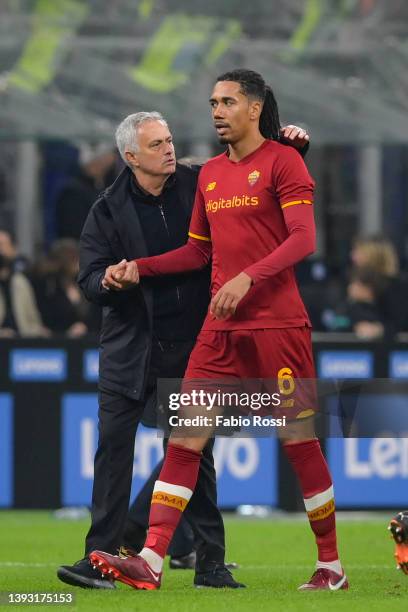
(69, 71)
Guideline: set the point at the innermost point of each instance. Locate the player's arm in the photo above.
(194, 255)
(294, 189)
(300, 243)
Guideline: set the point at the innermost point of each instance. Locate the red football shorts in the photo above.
(257, 360)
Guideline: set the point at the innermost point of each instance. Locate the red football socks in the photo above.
(171, 495)
(316, 484)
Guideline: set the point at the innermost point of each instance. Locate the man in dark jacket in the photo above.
(148, 332)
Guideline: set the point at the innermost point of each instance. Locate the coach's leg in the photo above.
(118, 421)
(137, 520)
(204, 516)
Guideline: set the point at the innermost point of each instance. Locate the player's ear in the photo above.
(255, 110)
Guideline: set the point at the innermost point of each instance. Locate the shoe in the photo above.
(134, 571)
(325, 580)
(218, 578)
(81, 574)
(189, 562)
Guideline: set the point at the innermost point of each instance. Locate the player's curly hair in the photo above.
(253, 86)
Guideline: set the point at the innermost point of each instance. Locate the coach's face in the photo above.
(233, 112)
(156, 155)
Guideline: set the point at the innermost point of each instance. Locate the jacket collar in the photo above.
(125, 217)
(145, 196)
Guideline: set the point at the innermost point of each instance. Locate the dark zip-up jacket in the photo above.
(113, 232)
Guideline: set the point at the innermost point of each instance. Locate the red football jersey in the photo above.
(239, 207)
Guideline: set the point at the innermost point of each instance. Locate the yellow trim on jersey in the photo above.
(296, 202)
(199, 237)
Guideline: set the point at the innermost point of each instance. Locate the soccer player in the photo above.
(253, 214)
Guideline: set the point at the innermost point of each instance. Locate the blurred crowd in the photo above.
(40, 298)
(368, 298)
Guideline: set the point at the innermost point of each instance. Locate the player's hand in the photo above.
(109, 280)
(226, 300)
(127, 277)
(121, 276)
(295, 136)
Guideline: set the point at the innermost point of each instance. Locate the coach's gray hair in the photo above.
(126, 132)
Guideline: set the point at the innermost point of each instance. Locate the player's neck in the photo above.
(149, 183)
(244, 147)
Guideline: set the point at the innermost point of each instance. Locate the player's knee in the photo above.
(196, 444)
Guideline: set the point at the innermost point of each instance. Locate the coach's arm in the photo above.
(95, 257)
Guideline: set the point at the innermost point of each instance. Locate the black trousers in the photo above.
(119, 417)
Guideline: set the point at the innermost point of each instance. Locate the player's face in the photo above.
(156, 155)
(232, 112)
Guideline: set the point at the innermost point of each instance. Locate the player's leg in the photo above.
(181, 550)
(205, 518)
(307, 460)
(202, 512)
(172, 492)
(175, 486)
(181, 466)
(293, 364)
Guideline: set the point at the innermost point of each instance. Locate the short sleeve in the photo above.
(199, 226)
(291, 179)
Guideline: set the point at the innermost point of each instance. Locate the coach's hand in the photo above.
(226, 300)
(294, 135)
(121, 276)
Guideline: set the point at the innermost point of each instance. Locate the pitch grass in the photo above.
(276, 556)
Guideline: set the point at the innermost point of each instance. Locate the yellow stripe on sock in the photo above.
(322, 512)
(167, 499)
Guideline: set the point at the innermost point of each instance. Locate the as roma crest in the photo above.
(253, 177)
